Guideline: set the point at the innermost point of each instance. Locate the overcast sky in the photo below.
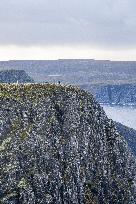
(68, 29)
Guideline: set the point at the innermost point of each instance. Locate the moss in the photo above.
(7, 95)
(91, 193)
(16, 125)
(24, 133)
(89, 198)
(9, 167)
(34, 91)
(5, 143)
(22, 183)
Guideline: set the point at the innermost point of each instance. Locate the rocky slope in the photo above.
(129, 134)
(12, 76)
(58, 146)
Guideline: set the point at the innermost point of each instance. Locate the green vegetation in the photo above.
(34, 92)
(5, 143)
(22, 183)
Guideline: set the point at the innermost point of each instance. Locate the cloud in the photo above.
(99, 23)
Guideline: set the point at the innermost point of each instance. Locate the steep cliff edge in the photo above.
(12, 76)
(129, 134)
(58, 146)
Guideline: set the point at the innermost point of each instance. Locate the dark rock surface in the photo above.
(13, 76)
(129, 134)
(58, 146)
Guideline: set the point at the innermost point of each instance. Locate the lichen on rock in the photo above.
(58, 146)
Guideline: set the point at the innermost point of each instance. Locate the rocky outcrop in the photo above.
(58, 146)
(129, 134)
(13, 76)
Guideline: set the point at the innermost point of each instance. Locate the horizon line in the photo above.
(59, 59)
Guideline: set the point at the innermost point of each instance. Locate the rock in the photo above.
(58, 146)
(129, 134)
(121, 94)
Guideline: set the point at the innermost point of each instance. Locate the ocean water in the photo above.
(123, 114)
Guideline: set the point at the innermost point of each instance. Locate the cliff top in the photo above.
(37, 91)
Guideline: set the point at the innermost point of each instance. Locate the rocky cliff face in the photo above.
(58, 146)
(129, 134)
(12, 76)
(123, 94)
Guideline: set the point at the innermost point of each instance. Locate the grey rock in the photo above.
(58, 146)
(129, 134)
(121, 94)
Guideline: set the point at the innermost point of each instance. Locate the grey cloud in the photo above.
(103, 23)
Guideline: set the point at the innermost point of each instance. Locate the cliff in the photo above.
(77, 71)
(58, 146)
(121, 94)
(12, 76)
(129, 134)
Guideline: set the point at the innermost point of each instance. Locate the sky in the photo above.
(52, 29)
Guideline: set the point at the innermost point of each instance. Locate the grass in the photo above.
(20, 92)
